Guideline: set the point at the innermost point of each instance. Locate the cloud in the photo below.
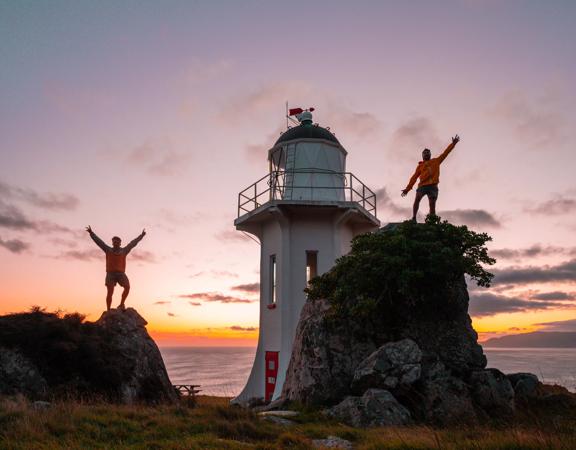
(560, 325)
(555, 295)
(384, 201)
(266, 98)
(45, 226)
(162, 302)
(532, 251)
(47, 200)
(216, 297)
(538, 126)
(14, 245)
(557, 206)
(258, 153)
(348, 123)
(471, 217)
(413, 136)
(215, 274)
(564, 272)
(95, 254)
(239, 328)
(143, 256)
(82, 255)
(251, 288)
(158, 159)
(179, 219)
(232, 236)
(13, 218)
(63, 242)
(484, 305)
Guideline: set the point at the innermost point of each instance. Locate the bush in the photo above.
(410, 266)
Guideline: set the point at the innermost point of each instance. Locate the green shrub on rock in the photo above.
(409, 267)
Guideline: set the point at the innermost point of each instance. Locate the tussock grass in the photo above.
(215, 424)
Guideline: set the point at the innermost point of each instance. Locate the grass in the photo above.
(214, 424)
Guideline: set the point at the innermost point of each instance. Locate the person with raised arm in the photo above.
(116, 265)
(428, 170)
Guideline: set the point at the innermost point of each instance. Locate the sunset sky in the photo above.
(126, 115)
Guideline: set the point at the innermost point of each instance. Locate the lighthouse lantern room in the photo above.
(304, 212)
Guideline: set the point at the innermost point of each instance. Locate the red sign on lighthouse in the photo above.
(271, 372)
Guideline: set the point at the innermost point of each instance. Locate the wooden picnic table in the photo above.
(187, 389)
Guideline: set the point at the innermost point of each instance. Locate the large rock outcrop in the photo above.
(329, 354)
(45, 356)
(392, 316)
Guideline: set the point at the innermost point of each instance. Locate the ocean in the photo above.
(223, 371)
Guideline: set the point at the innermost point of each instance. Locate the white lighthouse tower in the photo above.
(304, 212)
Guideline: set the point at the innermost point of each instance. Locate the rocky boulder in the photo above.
(443, 399)
(377, 407)
(492, 392)
(46, 355)
(392, 365)
(18, 375)
(332, 357)
(525, 385)
(143, 373)
(324, 359)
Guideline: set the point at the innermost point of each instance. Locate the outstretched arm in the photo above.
(134, 242)
(99, 242)
(446, 152)
(412, 181)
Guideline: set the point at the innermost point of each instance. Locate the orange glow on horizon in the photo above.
(168, 339)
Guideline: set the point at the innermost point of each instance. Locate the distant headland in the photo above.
(537, 339)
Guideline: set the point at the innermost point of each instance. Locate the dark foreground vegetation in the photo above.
(215, 424)
(53, 356)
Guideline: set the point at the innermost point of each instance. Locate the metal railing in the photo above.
(279, 185)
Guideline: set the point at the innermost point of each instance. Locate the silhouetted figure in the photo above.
(428, 170)
(116, 265)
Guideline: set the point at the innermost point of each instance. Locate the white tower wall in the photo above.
(289, 233)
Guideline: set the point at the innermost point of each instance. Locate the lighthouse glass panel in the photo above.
(272, 294)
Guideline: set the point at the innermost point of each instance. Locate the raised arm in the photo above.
(412, 181)
(133, 243)
(446, 152)
(99, 242)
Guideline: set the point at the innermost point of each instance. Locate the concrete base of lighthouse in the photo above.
(294, 236)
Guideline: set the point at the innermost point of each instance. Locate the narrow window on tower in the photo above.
(272, 293)
(311, 265)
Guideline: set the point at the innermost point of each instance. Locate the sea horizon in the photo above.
(223, 371)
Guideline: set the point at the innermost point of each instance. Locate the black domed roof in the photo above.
(307, 131)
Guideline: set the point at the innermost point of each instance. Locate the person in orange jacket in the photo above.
(115, 265)
(428, 170)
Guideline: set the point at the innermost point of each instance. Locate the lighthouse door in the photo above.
(271, 372)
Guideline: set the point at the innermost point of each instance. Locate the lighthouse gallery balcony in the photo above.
(314, 187)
